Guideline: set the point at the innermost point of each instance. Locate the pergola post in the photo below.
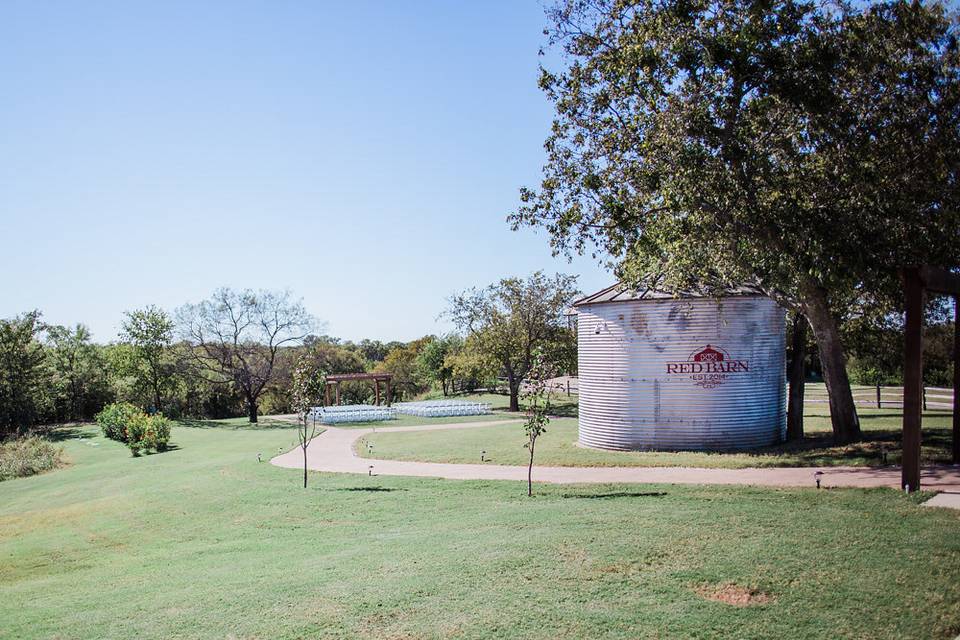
(376, 391)
(912, 379)
(326, 394)
(389, 397)
(338, 392)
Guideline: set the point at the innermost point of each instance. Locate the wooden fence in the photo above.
(883, 397)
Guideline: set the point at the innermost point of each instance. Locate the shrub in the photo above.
(126, 423)
(115, 418)
(28, 456)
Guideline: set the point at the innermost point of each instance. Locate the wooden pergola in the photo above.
(335, 380)
(917, 282)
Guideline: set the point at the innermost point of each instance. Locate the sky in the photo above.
(363, 155)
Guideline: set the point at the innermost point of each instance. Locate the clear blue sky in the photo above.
(363, 155)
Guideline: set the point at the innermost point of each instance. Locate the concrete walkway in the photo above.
(333, 451)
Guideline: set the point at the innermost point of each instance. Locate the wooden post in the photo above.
(956, 380)
(376, 391)
(326, 394)
(338, 392)
(878, 396)
(389, 397)
(912, 379)
(924, 387)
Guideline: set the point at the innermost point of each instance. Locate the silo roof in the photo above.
(621, 293)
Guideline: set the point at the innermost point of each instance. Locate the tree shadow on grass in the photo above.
(879, 447)
(616, 494)
(71, 432)
(232, 424)
(370, 489)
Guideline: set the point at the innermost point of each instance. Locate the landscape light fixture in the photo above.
(817, 476)
(370, 470)
(259, 459)
(483, 455)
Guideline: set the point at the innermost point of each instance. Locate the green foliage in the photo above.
(79, 380)
(808, 149)
(141, 432)
(510, 320)
(149, 331)
(24, 396)
(432, 362)
(471, 368)
(402, 362)
(115, 418)
(27, 456)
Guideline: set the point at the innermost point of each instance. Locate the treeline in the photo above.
(235, 353)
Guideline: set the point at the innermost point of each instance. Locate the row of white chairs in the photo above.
(443, 408)
(355, 413)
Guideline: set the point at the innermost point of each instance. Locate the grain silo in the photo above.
(670, 372)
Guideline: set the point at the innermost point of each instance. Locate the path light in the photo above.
(259, 459)
(883, 454)
(817, 476)
(483, 456)
(370, 471)
(279, 450)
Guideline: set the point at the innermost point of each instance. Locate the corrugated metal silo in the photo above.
(662, 372)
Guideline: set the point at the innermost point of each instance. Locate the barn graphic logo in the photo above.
(709, 367)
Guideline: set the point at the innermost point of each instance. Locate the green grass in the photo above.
(504, 445)
(205, 542)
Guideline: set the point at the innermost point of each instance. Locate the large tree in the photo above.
(235, 337)
(810, 149)
(510, 320)
(150, 332)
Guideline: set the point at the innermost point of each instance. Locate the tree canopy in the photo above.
(508, 321)
(809, 149)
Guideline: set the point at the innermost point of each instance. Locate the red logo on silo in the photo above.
(709, 367)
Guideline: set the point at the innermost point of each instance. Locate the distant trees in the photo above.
(79, 375)
(508, 321)
(432, 361)
(401, 362)
(235, 337)
(22, 373)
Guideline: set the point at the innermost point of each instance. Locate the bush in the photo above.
(123, 422)
(28, 456)
(114, 419)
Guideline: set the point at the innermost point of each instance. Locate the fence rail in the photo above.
(881, 397)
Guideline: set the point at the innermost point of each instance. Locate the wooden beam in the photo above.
(940, 280)
(912, 379)
(956, 380)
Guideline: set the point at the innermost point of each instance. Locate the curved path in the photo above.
(333, 451)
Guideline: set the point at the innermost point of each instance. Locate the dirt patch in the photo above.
(733, 594)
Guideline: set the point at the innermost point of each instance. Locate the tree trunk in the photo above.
(798, 371)
(843, 412)
(156, 398)
(514, 394)
(252, 409)
(305, 464)
(530, 473)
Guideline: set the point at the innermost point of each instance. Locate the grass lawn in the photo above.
(504, 445)
(205, 542)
